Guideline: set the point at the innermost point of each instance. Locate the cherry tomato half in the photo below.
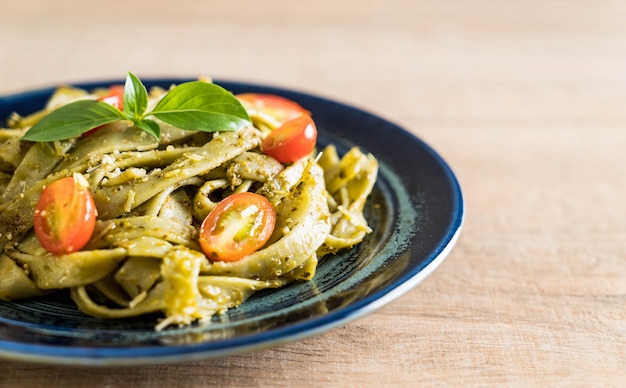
(291, 141)
(65, 215)
(115, 97)
(278, 107)
(239, 225)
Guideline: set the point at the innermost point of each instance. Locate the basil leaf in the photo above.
(135, 97)
(191, 106)
(72, 120)
(150, 126)
(201, 106)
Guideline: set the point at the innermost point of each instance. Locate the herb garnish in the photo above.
(195, 105)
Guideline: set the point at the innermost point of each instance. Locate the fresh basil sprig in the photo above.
(195, 105)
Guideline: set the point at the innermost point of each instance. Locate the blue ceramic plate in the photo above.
(416, 211)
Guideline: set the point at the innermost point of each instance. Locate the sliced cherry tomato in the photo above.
(291, 141)
(65, 215)
(115, 97)
(239, 225)
(282, 109)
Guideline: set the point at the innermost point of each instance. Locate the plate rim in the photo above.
(53, 354)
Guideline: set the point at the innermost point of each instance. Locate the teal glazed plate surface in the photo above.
(416, 212)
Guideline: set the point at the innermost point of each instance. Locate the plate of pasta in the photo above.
(175, 219)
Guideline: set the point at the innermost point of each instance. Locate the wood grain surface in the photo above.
(526, 100)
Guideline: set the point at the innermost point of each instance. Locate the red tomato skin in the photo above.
(220, 245)
(281, 108)
(65, 216)
(115, 97)
(291, 141)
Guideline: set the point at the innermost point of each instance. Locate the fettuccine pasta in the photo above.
(151, 197)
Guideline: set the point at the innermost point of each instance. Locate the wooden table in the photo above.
(525, 99)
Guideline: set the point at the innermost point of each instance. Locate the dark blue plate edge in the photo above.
(273, 337)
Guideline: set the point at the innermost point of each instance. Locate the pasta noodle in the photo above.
(151, 196)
